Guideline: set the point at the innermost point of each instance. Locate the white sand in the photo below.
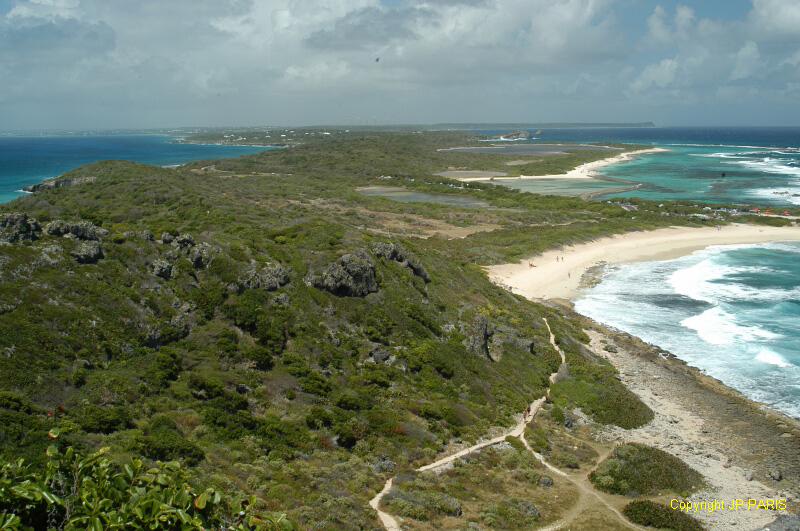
(551, 279)
(584, 171)
(589, 170)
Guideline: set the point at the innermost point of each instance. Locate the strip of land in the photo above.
(584, 171)
(557, 274)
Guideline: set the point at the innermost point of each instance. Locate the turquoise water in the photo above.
(718, 174)
(731, 311)
(29, 160)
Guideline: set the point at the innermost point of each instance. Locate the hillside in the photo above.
(279, 332)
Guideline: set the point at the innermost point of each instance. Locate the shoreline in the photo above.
(736, 443)
(584, 171)
(551, 278)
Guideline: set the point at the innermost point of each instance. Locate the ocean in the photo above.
(731, 311)
(27, 160)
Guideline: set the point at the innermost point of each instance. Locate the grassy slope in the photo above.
(269, 392)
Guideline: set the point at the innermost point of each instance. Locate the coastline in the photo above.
(739, 445)
(584, 171)
(552, 278)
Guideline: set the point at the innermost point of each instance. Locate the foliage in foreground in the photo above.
(636, 470)
(651, 514)
(92, 492)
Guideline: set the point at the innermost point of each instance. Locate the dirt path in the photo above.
(584, 487)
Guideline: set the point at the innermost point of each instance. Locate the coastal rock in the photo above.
(352, 275)
(478, 334)
(398, 253)
(504, 337)
(60, 182)
(380, 355)
(162, 268)
(82, 230)
(202, 255)
(17, 226)
(88, 252)
(50, 257)
(270, 277)
(183, 241)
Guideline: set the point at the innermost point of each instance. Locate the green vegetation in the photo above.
(639, 470)
(501, 487)
(201, 336)
(652, 514)
(74, 492)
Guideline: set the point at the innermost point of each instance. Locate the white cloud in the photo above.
(747, 61)
(658, 75)
(102, 62)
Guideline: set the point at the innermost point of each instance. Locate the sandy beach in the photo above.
(584, 171)
(557, 274)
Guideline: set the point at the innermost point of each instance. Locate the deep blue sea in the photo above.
(731, 311)
(26, 160)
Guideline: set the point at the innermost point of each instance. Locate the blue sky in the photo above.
(114, 63)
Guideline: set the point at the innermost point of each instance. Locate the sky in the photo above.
(98, 64)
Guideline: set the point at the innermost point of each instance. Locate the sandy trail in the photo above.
(584, 488)
(558, 273)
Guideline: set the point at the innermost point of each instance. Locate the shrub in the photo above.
(163, 441)
(315, 384)
(636, 470)
(102, 419)
(261, 356)
(651, 514)
(92, 492)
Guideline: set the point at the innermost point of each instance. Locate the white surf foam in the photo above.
(717, 327)
(769, 357)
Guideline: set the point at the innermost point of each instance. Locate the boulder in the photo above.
(380, 355)
(202, 254)
(17, 226)
(162, 268)
(183, 241)
(88, 252)
(775, 474)
(166, 237)
(82, 230)
(398, 253)
(270, 277)
(478, 334)
(546, 482)
(352, 275)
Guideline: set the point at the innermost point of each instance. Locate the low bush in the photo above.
(639, 470)
(651, 514)
(102, 419)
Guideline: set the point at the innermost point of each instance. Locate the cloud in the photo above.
(747, 61)
(658, 75)
(101, 63)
